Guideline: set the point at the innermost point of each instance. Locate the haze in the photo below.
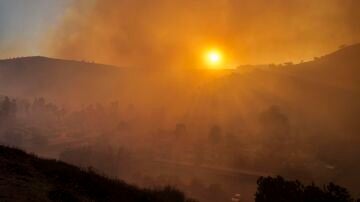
(205, 96)
(136, 33)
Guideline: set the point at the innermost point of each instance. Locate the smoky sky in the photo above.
(24, 25)
(175, 32)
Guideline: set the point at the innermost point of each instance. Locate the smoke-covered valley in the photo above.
(210, 134)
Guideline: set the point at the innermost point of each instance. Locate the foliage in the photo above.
(63, 182)
(279, 189)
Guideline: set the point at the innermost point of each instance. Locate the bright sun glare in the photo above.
(213, 58)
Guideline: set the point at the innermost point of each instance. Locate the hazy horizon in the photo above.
(249, 32)
(215, 95)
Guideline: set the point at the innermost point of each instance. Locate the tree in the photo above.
(180, 130)
(275, 123)
(277, 141)
(215, 135)
(6, 107)
(280, 190)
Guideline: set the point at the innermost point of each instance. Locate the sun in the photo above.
(213, 58)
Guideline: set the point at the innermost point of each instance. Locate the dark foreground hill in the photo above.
(25, 177)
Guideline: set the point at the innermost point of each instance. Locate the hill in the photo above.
(55, 78)
(340, 68)
(25, 177)
(313, 109)
(86, 82)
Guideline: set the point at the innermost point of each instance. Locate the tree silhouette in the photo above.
(180, 130)
(280, 190)
(215, 134)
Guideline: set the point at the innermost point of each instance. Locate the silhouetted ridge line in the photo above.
(48, 59)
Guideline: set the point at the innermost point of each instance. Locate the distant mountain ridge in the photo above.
(340, 68)
(44, 59)
(85, 81)
(41, 76)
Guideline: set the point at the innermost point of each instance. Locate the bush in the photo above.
(280, 190)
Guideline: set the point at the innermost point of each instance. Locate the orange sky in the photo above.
(175, 33)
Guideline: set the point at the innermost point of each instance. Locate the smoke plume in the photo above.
(156, 33)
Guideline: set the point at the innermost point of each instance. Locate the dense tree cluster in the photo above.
(7, 109)
(279, 189)
(119, 140)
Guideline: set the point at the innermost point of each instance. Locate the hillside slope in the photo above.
(55, 78)
(25, 177)
(339, 69)
(86, 82)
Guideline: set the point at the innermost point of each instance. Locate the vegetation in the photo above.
(299, 121)
(280, 190)
(25, 177)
